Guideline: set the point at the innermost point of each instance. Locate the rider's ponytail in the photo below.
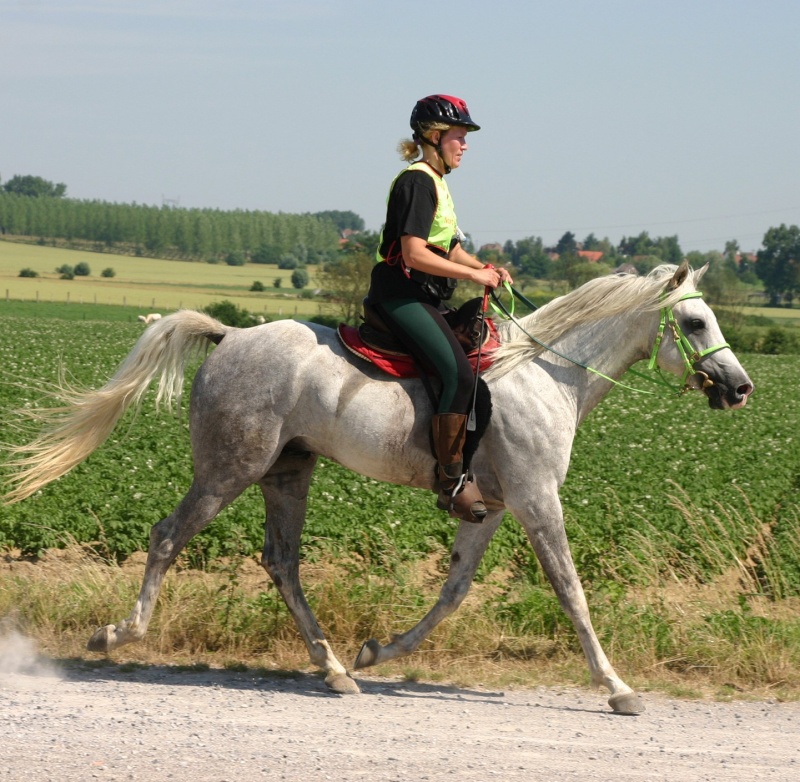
(410, 148)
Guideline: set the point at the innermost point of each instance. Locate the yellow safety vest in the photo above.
(445, 225)
(444, 229)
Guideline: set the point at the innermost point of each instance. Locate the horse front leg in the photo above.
(285, 489)
(468, 549)
(545, 529)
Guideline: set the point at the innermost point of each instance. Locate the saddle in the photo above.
(374, 342)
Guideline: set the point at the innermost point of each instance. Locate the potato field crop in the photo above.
(646, 471)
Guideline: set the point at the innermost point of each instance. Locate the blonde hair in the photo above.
(410, 149)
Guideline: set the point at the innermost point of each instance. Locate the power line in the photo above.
(636, 224)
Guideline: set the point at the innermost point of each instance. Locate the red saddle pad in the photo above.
(402, 365)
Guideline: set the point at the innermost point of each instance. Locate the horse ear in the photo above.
(700, 272)
(679, 277)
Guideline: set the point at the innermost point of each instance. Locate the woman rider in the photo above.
(420, 260)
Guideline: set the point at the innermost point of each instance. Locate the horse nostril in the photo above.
(745, 389)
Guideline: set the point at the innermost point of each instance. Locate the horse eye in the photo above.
(696, 324)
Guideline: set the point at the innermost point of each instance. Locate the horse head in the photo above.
(690, 344)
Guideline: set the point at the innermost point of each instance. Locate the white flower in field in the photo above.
(138, 495)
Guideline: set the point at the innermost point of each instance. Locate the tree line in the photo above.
(776, 265)
(198, 234)
(32, 206)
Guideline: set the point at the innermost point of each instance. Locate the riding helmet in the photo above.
(442, 108)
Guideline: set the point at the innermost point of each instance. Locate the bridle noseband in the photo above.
(690, 355)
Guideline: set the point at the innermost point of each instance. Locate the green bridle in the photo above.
(690, 355)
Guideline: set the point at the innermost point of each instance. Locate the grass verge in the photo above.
(683, 638)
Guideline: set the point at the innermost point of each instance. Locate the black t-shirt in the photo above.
(409, 212)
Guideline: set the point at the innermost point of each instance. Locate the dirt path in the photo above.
(160, 724)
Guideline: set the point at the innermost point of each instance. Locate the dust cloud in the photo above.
(19, 655)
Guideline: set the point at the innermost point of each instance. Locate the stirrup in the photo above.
(463, 500)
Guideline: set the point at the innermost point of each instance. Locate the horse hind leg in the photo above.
(468, 550)
(285, 489)
(167, 538)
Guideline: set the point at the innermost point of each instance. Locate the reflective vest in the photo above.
(444, 229)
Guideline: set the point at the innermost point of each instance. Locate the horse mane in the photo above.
(602, 297)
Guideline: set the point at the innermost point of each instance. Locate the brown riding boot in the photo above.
(458, 493)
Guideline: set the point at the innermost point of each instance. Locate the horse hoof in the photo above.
(626, 703)
(342, 684)
(368, 654)
(102, 639)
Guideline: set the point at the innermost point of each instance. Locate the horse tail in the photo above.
(85, 419)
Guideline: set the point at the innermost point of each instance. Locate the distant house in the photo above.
(592, 256)
(492, 248)
(346, 234)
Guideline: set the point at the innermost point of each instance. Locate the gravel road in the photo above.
(157, 723)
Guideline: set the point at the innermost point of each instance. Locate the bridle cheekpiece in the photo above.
(691, 356)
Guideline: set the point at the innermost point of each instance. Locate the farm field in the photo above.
(683, 524)
(633, 450)
(780, 315)
(148, 284)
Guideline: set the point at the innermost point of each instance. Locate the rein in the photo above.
(690, 355)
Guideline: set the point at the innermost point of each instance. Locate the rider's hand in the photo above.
(505, 276)
(490, 277)
(487, 277)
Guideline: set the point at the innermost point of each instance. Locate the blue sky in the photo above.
(609, 117)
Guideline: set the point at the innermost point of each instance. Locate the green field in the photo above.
(148, 284)
(781, 316)
(633, 453)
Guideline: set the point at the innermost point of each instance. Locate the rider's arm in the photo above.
(417, 256)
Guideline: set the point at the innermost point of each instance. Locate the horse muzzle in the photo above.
(723, 394)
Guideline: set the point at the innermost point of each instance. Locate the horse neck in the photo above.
(610, 346)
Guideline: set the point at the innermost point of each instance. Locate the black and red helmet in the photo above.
(442, 108)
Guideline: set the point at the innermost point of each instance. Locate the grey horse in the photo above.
(269, 400)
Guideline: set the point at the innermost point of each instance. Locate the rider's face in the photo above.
(453, 143)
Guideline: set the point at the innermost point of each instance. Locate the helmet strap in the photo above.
(437, 148)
